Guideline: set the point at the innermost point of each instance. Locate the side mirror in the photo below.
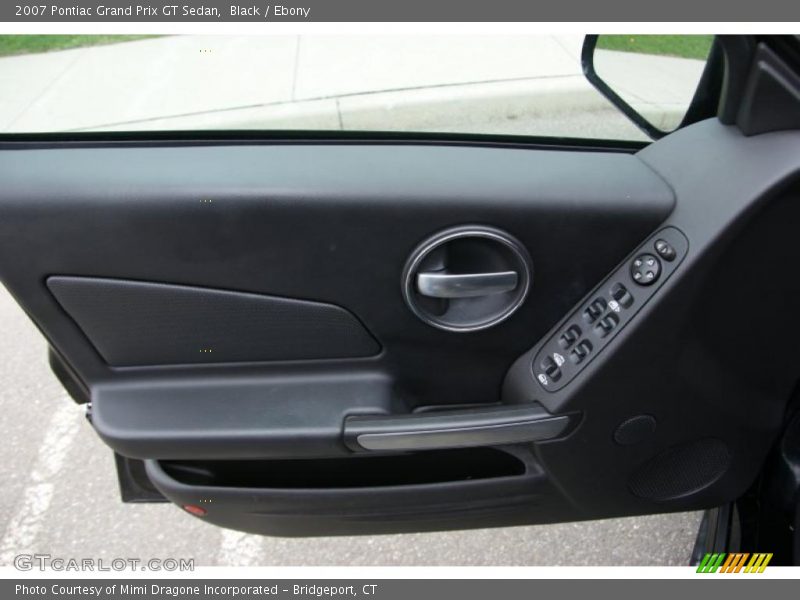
(660, 82)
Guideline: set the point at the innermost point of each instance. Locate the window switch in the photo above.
(546, 379)
(621, 294)
(569, 337)
(594, 310)
(580, 352)
(606, 325)
(551, 369)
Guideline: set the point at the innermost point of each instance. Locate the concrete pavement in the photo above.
(658, 87)
(483, 84)
(58, 496)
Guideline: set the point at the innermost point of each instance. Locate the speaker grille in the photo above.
(134, 323)
(681, 470)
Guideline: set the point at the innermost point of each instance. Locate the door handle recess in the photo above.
(492, 426)
(467, 278)
(467, 285)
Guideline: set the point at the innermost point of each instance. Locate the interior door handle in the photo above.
(467, 285)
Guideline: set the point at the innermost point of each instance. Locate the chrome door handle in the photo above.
(467, 285)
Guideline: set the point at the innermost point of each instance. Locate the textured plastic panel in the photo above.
(135, 323)
(279, 416)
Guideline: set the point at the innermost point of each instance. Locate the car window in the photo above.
(482, 84)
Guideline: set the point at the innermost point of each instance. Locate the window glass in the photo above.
(495, 84)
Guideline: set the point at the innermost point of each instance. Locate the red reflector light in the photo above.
(197, 511)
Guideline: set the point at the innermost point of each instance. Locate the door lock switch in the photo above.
(665, 250)
(621, 295)
(645, 269)
(551, 366)
(594, 310)
(569, 337)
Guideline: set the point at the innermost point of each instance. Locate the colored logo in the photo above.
(734, 562)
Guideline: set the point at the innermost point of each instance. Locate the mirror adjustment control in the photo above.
(645, 269)
(598, 319)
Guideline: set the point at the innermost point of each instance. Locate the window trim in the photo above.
(38, 141)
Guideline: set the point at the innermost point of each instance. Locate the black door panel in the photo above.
(325, 224)
(297, 251)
